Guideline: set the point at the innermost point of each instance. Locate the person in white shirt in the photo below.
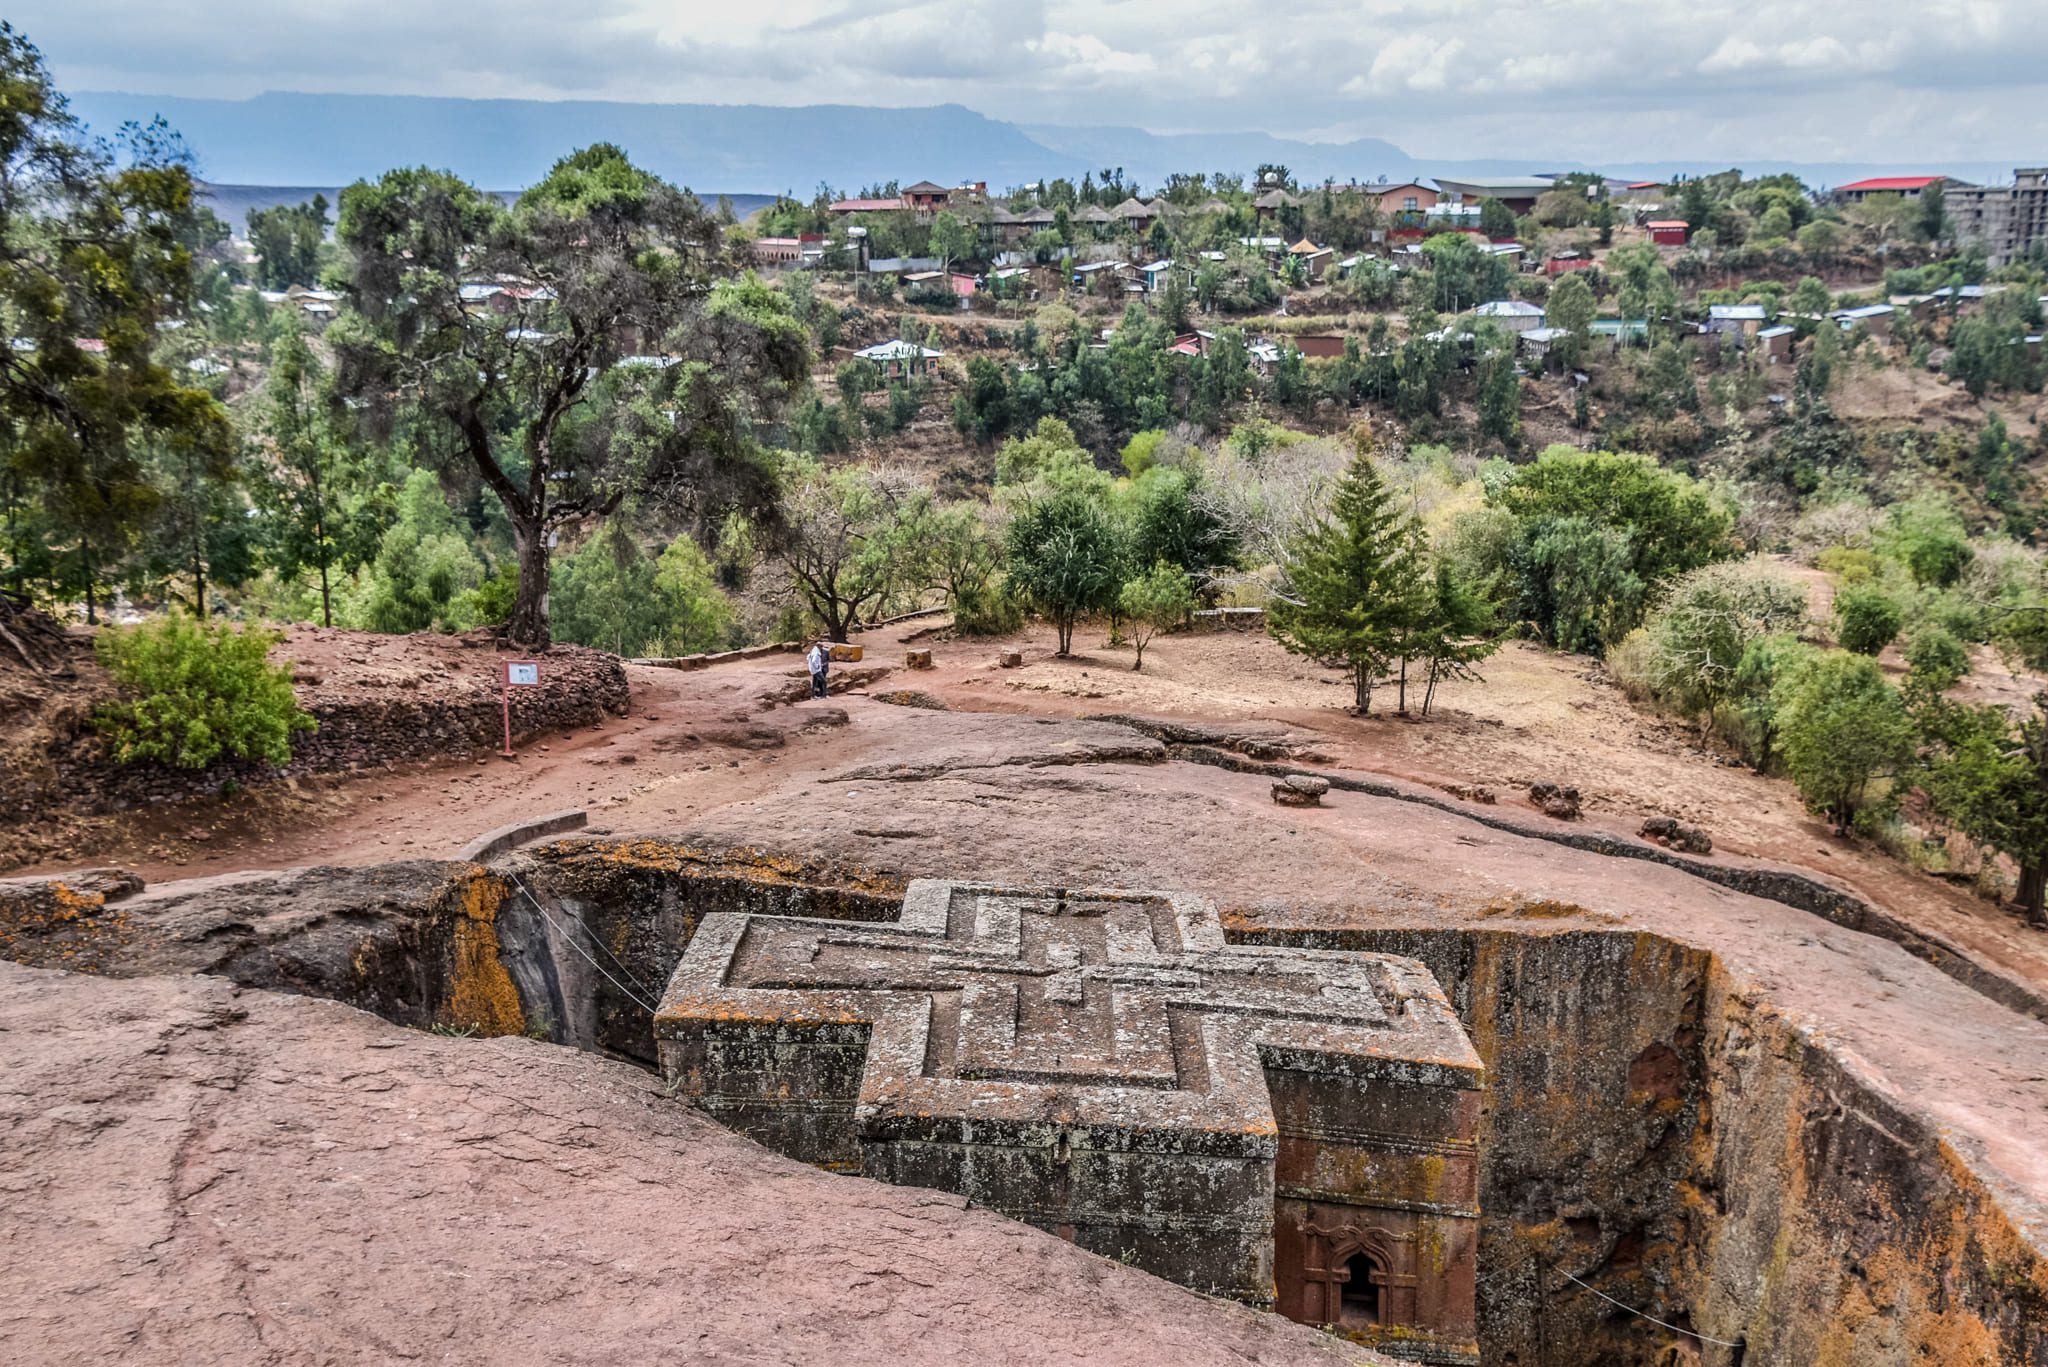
(820, 660)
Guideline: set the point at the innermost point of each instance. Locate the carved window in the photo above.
(1365, 1287)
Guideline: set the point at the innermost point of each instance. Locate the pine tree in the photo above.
(1458, 631)
(1356, 582)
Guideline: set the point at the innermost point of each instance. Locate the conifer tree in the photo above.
(1356, 583)
(1457, 631)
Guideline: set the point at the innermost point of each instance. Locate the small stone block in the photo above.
(917, 659)
(1300, 790)
(1011, 659)
(845, 654)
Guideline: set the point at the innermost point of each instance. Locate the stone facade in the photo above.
(1291, 1128)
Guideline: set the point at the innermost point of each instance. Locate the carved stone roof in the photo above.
(1121, 1009)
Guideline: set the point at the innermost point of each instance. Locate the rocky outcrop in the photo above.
(1555, 799)
(200, 1173)
(1657, 1129)
(1300, 790)
(1674, 834)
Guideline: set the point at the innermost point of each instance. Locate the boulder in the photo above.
(1011, 659)
(1300, 790)
(1555, 799)
(1674, 834)
(917, 659)
(845, 654)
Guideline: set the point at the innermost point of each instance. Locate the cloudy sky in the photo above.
(1870, 80)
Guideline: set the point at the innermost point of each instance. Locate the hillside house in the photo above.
(1320, 346)
(1404, 203)
(1741, 321)
(1667, 232)
(925, 197)
(1536, 344)
(1876, 319)
(844, 207)
(1516, 315)
(1269, 204)
(1007, 229)
(1567, 260)
(777, 251)
(1519, 193)
(1905, 187)
(1775, 344)
(1316, 261)
(897, 357)
(1137, 215)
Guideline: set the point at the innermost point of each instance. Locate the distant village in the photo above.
(1215, 241)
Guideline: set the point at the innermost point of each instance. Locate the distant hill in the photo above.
(235, 202)
(290, 139)
(315, 140)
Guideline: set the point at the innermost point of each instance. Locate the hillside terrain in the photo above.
(972, 770)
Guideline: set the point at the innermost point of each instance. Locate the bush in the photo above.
(1709, 620)
(1842, 727)
(203, 691)
(1866, 618)
(1851, 564)
(1153, 601)
(1064, 556)
(1935, 659)
(1632, 664)
(986, 610)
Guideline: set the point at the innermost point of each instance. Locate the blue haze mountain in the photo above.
(283, 139)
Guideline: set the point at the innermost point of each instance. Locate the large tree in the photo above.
(1355, 585)
(591, 354)
(96, 250)
(287, 239)
(1988, 773)
(319, 491)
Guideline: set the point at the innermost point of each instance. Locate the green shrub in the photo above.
(1708, 620)
(200, 691)
(1867, 619)
(1154, 601)
(1632, 664)
(987, 609)
(1852, 564)
(1843, 727)
(1936, 659)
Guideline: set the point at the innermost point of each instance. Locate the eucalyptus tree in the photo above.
(97, 246)
(586, 344)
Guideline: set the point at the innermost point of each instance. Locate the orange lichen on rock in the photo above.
(481, 995)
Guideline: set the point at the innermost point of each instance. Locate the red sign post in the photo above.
(517, 674)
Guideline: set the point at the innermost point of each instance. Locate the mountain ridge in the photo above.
(286, 138)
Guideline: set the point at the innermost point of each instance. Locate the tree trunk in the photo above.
(92, 616)
(2033, 886)
(1361, 690)
(320, 540)
(1401, 698)
(1429, 691)
(528, 626)
(198, 582)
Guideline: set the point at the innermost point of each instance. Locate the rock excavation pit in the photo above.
(1669, 1169)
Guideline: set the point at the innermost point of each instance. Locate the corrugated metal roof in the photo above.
(1891, 183)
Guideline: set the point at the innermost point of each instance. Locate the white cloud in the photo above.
(1586, 79)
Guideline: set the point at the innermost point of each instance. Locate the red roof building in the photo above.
(1908, 187)
(1667, 232)
(863, 206)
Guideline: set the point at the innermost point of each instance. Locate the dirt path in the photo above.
(700, 741)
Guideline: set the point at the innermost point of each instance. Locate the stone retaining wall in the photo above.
(359, 728)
